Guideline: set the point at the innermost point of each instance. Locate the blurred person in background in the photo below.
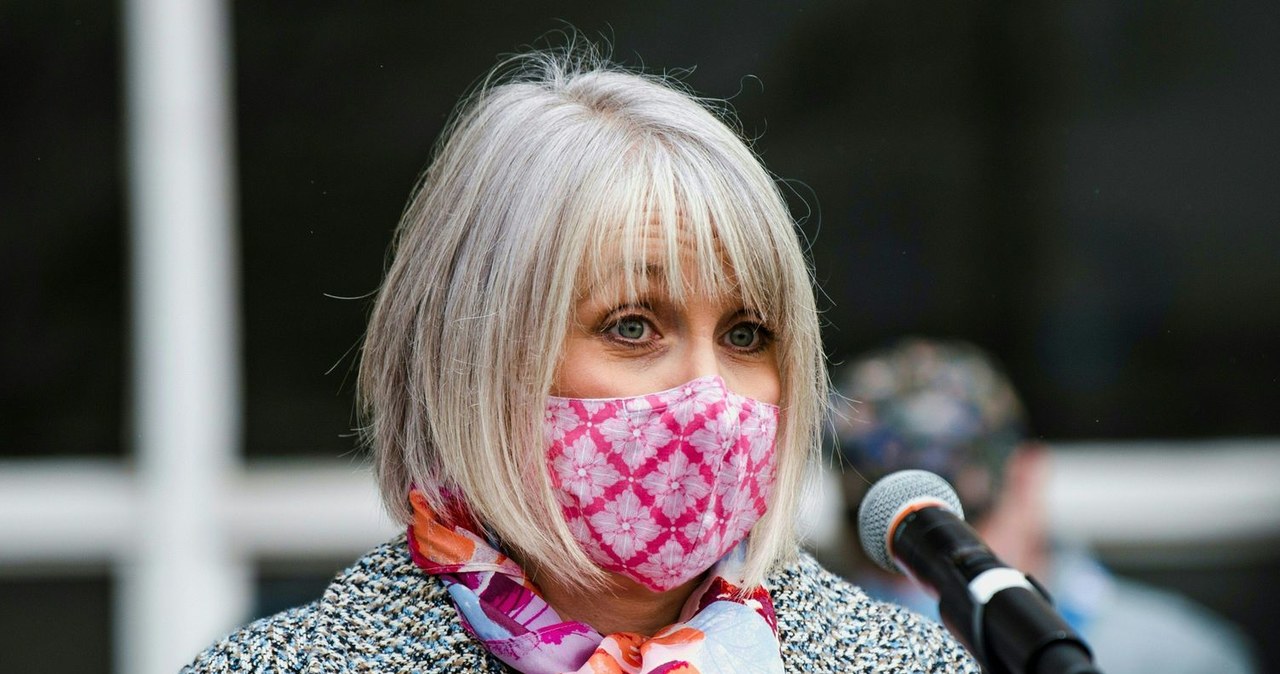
(946, 407)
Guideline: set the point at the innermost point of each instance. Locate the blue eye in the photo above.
(743, 336)
(630, 328)
(748, 337)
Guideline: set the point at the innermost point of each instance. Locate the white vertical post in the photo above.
(184, 584)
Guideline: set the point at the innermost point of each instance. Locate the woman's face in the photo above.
(618, 347)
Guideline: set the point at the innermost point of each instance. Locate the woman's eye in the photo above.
(743, 336)
(630, 328)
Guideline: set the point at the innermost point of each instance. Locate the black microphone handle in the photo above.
(1012, 629)
(1064, 658)
(1023, 630)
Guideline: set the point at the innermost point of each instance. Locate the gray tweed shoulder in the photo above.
(380, 615)
(827, 624)
(383, 615)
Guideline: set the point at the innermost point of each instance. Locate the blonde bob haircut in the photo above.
(554, 167)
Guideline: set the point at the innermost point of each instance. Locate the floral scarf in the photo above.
(718, 630)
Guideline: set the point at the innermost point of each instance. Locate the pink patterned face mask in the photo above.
(658, 487)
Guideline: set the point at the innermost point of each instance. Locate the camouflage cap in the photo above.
(941, 406)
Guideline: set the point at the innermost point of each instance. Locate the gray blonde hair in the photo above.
(553, 161)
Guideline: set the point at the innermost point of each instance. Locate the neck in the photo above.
(622, 606)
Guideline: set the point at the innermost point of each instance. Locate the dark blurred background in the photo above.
(1088, 189)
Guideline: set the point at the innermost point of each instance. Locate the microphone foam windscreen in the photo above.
(889, 498)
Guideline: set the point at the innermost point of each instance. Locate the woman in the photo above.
(593, 380)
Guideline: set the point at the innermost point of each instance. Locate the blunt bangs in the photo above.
(709, 224)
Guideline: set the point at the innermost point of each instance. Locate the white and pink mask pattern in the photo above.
(658, 487)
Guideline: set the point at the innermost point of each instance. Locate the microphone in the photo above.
(911, 522)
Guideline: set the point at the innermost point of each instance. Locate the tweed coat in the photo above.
(384, 615)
